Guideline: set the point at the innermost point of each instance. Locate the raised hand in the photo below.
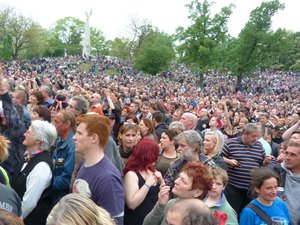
(163, 195)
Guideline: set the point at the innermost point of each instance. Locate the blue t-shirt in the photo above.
(102, 182)
(278, 209)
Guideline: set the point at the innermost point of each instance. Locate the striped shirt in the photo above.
(249, 158)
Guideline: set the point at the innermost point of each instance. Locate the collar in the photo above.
(29, 155)
(67, 141)
(219, 203)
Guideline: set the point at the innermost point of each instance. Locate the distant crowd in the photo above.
(93, 141)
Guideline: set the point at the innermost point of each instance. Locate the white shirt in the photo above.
(36, 182)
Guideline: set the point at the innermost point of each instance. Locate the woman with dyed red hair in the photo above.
(141, 182)
(194, 181)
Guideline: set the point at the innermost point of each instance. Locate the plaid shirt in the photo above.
(176, 167)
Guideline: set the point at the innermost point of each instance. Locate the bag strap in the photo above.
(260, 213)
(6, 178)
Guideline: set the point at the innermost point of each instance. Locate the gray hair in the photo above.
(191, 137)
(250, 127)
(177, 125)
(47, 89)
(82, 104)
(44, 132)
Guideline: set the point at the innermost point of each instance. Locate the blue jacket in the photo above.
(63, 160)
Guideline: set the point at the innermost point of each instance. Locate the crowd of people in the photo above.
(92, 141)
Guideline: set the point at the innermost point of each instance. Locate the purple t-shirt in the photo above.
(102, 182)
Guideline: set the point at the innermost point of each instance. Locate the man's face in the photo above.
(60, 125)
(95, 99)
(81, 138)
(133, 108)
(292, 159)
(176, 116)
(145, 110)
(186, 120)
(185, 151)
(203, 113)
(72, 108)
(174, 218)
(250, 138)
(263, 120)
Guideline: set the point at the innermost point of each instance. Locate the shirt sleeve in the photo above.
(155, 216)
(37, 181)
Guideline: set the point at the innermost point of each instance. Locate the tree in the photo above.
(255, 43)
(119, 48)
(198, 44)
(38, 42)
(68, 31)
(98, 42)
(156, 54)
(139, 29)
(6, 50)
(15, 26)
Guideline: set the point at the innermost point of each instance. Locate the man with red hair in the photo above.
(97, 176)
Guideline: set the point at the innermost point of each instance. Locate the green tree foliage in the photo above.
(291, 58)
(68, 33)
(156, 53)
(16, 27)
(256, 43)
(6, 50)
(98, 43)
(38, 42)
(119, 48)
(199, 43)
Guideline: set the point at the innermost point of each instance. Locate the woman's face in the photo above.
(208, 143)
(268, 190)
(213, 122)
(29, 140)
(32, 99)
(128, 139)
(35, 116)
(165, 141)
(236, 119)
(241, 125)
(183, 186)
(144, 129)
(124, 113)
(281, 150)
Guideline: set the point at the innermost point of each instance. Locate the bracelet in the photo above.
(147, 185)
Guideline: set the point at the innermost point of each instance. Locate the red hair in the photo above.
(201, 176)
(143, 156)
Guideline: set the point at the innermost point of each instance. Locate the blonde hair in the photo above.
(78, 210)
(4, 145)
(217, 139)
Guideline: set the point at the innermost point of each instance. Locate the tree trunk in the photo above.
(239, 83)
(200, 80)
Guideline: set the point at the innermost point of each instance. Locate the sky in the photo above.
(112, 17)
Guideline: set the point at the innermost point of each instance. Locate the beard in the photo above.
(187, 155)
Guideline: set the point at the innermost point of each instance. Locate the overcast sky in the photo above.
(112, 16)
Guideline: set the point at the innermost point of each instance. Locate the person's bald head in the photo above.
(189, 120)
(190, 212)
